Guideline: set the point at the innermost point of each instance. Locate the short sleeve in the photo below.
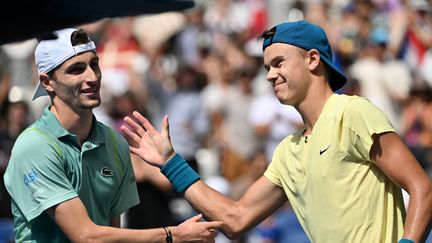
(361, 120)
(272, 172)
(35, 177)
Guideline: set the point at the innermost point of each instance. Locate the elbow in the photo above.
(233, 230)
(429, 193)
(232, 235)
(88, 235)
(426, 191)
(423, 193)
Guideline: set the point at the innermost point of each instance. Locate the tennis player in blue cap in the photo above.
(342, 174)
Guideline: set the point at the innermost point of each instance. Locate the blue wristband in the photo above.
(403, 240)
(179, 173)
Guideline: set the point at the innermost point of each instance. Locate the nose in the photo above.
(92, 74)
(271, 75)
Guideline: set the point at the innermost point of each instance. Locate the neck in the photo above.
(77, 123)
(311, 107)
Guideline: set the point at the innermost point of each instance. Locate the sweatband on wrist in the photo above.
(403, 240)
(179, 173)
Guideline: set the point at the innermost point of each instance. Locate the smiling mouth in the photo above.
(91, 91)
(91, 94)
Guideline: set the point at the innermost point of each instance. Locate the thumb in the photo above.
(165, 126)
(195, 218)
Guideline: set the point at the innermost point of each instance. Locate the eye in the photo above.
(94, 64)
(279, 64)
(76, 69)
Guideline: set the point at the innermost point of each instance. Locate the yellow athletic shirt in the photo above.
(337, 192)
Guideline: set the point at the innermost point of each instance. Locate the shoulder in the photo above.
(343, 105)
(361, 114)
(36, 145)
(360, 106)
(356, 103)
(35, 138)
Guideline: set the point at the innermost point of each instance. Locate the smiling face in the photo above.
(288, 72)
(76, 82)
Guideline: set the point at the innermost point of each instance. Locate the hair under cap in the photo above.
(308, 36)
(51, 53)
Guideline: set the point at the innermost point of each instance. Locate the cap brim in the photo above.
(337, 78)
(40, 91)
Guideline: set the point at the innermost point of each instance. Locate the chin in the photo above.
(90, 105)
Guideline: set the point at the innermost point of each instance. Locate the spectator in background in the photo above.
(154, 189)
(417, 52)
(238, 139)
(272, 121)
(194, 39)
(14, 120)
(384, 80)
(418, 126)
(185, 109)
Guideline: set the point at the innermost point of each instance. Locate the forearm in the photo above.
(419, 214)
(216, 206)
(112, 234)
(258, 202)
(203, 198)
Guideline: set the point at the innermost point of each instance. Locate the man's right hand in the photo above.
(195, 230)
(145, 141)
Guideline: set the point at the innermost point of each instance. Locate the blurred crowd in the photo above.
(203, 67)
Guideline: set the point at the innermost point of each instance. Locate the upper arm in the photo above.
(394, 158)
(71, 216)
(36, 177)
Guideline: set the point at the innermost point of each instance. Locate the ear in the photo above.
(45, 81)
(314, 59)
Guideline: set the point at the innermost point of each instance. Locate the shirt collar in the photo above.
(96, 134)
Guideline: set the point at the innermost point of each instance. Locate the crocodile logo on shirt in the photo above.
(106, 172)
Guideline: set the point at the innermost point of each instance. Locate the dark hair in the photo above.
(78, 37)
(268, 33)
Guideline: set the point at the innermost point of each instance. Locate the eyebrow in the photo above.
(274, 62)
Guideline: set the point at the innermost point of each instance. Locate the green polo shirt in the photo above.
(48, 166)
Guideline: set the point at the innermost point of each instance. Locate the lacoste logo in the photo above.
(323, 150)
(106, 172)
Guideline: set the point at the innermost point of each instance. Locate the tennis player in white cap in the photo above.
(70, 176)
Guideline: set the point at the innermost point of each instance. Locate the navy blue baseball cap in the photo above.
(308, 36)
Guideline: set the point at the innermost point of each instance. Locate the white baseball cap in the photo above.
(53, 52)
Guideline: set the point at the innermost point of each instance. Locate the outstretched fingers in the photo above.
(144, 122)
(130, 135)
(135, 126)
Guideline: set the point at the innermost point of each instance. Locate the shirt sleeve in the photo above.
(272, 172)
(35, 177)
(361, 120)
